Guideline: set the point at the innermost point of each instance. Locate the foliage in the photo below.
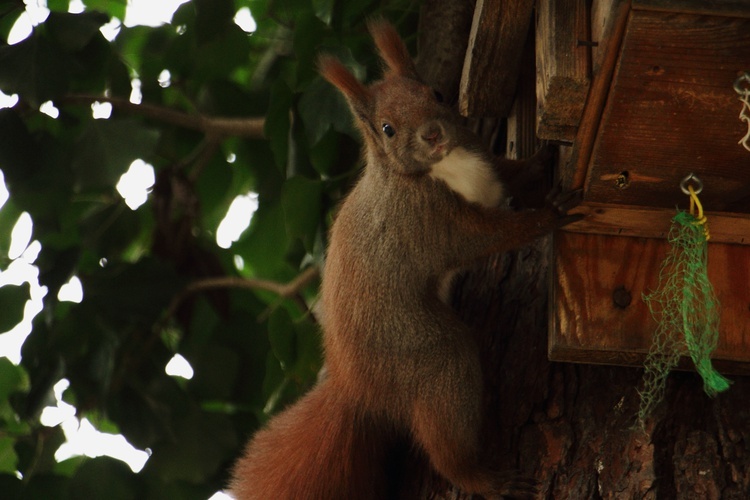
(252, 351)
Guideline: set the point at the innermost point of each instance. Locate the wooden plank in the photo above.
(733, 8)
(603, 13)
(573, 174)
(521, 139)
(443, 35)
(563, 47)
(598, 314)
(672, 110)
(624, 220)
(490, 72)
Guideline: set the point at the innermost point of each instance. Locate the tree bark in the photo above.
(572, 427)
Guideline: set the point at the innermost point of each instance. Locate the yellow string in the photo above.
(700, 217)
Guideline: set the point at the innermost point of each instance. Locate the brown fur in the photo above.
(397, 356)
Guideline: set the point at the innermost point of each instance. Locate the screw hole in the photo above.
(623, 180)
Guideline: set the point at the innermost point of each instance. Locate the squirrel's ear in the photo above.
(332, 70)
(391, 48)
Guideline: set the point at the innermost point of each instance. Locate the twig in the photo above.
(284, 290)
(212, 125)
(203, 156)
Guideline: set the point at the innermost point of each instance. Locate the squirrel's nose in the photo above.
(431, 133)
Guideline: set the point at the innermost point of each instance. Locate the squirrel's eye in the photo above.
(438, 96)
(388, 130)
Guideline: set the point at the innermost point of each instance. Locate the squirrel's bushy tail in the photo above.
(322, 447)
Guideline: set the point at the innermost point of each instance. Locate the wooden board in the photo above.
(672, 110)
(625, 220)
(598, 314)
(661, 105)
(493, 57)
(563, 59)
(733, 8)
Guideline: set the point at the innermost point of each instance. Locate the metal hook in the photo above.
(691, 177)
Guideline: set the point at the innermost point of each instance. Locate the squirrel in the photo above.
(399, 361)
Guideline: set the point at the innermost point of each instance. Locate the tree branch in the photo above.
(288, 290)
(213, 125)
(284, 290)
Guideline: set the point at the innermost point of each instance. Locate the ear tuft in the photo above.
(335, 72)
(391, 48)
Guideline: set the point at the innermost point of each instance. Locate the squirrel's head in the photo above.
(404, 123)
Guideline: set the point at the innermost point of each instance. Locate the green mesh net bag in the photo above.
(687, 312)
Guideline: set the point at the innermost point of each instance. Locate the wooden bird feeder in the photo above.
(660, 105)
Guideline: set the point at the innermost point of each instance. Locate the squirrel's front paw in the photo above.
(560, 202)
(563, 201)
(543, 159)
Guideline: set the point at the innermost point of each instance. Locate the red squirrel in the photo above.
(399, 361)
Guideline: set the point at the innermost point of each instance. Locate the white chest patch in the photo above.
(470, 176)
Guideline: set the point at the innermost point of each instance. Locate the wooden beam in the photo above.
(598, 314)
(652, 222)
(672, 110)
(493, 57)
(563, 55)
(574, 174)
(732, 8)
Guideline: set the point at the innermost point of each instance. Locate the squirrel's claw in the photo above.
(563, 201)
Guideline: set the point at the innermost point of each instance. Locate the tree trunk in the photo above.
(572, 426)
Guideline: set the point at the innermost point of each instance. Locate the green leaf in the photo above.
(8, 218)
(309, 32)
(13, 299)
(213, 188)
(36, 69)
(106, 149)
(115, 8)
(278, 125)
(20, 156)
(334, 154)
(37, 453)
(324, 9)
(132, 292)
(109, 229)
(104, 477)
(56, 266)
(322, 107)
(10, 11)
(75, 31)
(46, 486)
(8, 457)
(296, 345)
(301, 199)
(58, 5)
(197, 449)
(41, 184)
(282, 336)
(309, 349)
(12, 378)
(215, 372)
(264, 244)
(69, 467)
(222, 54)
(213, 18)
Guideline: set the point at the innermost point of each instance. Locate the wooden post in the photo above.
(490, 72)
(563, 56)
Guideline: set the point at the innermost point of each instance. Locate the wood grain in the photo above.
(493, 57)
(624, 220)
(734, 8)
(563, 56)
(574, 174)
(672, 111)
(587, 324)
